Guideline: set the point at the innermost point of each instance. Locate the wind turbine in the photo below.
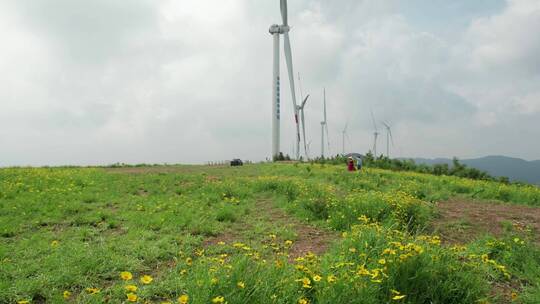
(388, 138)
(277, 30)
(324, 127)
(375, 135)
(302, 116)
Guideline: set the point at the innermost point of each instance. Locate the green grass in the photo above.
(69, 229)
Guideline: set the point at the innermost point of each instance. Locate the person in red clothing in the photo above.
(350, 164)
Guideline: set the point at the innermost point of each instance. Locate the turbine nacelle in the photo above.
(279, 29)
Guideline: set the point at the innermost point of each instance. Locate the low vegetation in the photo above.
(194, 234)
(382, 162)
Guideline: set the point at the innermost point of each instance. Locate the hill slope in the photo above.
(515, 168)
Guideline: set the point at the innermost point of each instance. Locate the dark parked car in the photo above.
(236, 162)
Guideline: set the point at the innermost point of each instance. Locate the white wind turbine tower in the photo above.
(324, 127)
(389, 138)
(277, 30)
(375, 135)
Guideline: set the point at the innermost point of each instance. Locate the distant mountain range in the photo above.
(516, 169)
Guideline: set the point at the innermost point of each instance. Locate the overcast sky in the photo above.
(189, 81)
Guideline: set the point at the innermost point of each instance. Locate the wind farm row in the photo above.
(299, 110)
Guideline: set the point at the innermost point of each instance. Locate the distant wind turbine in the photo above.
(324, 127)
(389, 138)
(375, 135)
(302, 116)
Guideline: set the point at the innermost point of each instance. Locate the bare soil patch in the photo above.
(308, 238)
(463, 220)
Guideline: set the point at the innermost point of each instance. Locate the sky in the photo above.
(189, 81)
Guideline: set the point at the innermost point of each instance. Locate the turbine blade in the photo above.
(304, 102)
(304, 130)
(288, 58)
(284, 13)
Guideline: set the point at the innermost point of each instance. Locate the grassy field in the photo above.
(272, 233)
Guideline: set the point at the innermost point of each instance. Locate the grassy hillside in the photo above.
(273, 233)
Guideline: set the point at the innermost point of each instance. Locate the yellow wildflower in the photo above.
(288, 243)
(306, 282)
(398, 297)
(514, 296)
(189, 261)
(92, 290)
(131, 288)
(66, 294)
(389, 251)
(183, 299)
(382, 261)
(241, 285)
(303, 301)
(55, 243)
(331, 278)
(317, 278)
(219, 299)
(363, 271)
(146, 279)
(126, 275)
(364, 219)
(131, 297)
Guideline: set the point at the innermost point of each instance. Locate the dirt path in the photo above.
(308, 238)
(463, 220)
